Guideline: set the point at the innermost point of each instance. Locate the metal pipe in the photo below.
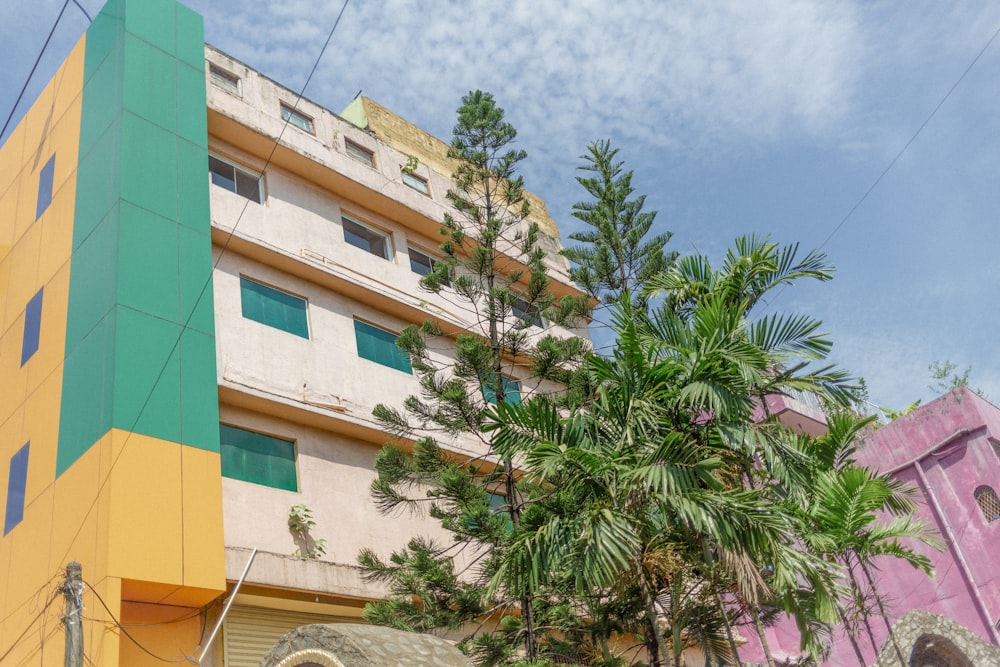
(962, 563)
(229, 603)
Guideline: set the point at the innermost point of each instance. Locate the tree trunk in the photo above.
(885, 615)
(654, 642)
(859, 597)
(725, 621)
(763, 637)
(851, 637)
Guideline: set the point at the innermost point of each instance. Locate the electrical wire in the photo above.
(24, 633)
(125, 632)
(33, 68)
(204, 288)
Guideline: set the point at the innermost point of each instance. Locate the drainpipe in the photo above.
(956, 548)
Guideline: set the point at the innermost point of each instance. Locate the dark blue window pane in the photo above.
(17, 481)
(379, 345)
(45, 177)
(32, 327)
(274, 308)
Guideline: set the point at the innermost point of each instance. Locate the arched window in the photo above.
(988, 502)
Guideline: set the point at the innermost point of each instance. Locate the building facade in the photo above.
(192, 344)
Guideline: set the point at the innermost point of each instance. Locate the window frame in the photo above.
(991, 502)
(528, 314)
(432, 260)
(305, 301)
(398, 355)
(390, 250)
(238, 170)
(289, 113)
(217, 75)
(281, 439)
(355, 151)
(408, 176)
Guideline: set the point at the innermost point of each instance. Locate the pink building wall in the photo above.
(946, 449)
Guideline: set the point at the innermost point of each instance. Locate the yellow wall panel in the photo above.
(204, 562)
(57, 233)
(43, 431)
(22, 283)
(30, 550)
(175, 640)
(27, 201)
(12, 388)
(146, 527)
(8, 210)
(79, 525)
(11, 158)
(51, 339)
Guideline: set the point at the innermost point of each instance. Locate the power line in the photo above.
(33, 68)
(204, 288)
(24, 633)
(125, 632)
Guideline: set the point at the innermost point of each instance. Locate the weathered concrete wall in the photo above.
(347, 645)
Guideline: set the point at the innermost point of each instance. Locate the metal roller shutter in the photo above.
(250, 632)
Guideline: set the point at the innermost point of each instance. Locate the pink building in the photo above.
(949, 450)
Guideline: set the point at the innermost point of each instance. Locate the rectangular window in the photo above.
(233, 178)
(526, 312)
(274, 308)
(418, 183)
(422, 263)
(511, 391)
(378, 345)
(258, 458)
(223, 79)
(32, 327)
(17, 483)
(45, 177)
(359, 153)
(297, 118)
(368, 239)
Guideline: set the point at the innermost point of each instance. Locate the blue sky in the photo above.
(737, 117)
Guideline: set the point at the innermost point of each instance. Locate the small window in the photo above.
(526, 312)
(511, 391)
(359, 153)
(297, 118)
(45, 177)
(422, 263)
(224, 80)
(32, 327)
(988, 503)
(274, 307)
(17, 483)
(418, 183)
(368, 239)
(258, 458)
(235, 179)
(378, 345)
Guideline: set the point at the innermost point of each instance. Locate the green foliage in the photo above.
(301, 523)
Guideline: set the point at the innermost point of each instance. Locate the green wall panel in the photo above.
(141, 238)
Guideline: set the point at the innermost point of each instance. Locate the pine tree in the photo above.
(494, 271)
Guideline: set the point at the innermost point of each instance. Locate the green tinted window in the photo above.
(511, 391)
(379, 345)
(274, 308)
(258, 458)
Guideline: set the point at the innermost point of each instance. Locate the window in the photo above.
(297, 118)
(258, 458)
(418, 183)
(45, 177)
(17, 481)
(366, 238)
(511, 390)
(233, 178)
(359, 153)
(223, 79)
(378, 345)
(526, 312)
(32, 327)
(988, 503)
(422, 263)
(274, 308)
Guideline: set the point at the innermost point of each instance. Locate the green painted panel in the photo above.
(92, 287)
(192, 186)
(153, 21)
(147, 375)
(97, 184)
(106, 85)
(192, 124)
(156, 99)
(149, 165)
(195, 255)
(147, 263)
(199, 391)
(191, 39)
(104, 36)
(258, 458)
(85, 414)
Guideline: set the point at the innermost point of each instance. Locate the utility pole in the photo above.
(73, 620)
